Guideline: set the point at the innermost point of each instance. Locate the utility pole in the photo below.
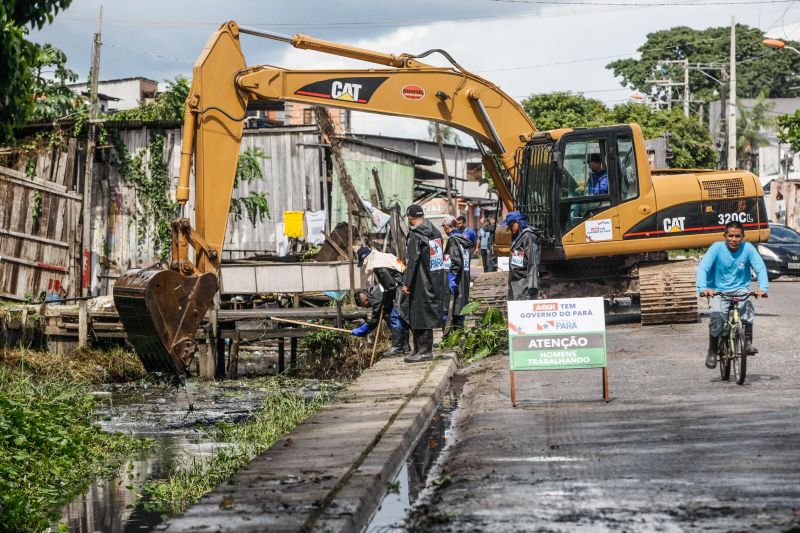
(732, 101)
(686, 88)
(86, 234)
(89, 163)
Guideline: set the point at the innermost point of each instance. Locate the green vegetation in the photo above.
(283, 409)
(790, 129)
(83, 366)
(20, 59)
(331, 355)
(690, 141)
(248, 169)
(750, 131)
(488, 337)
(50, 449)
(688, 252)
(167, 106)
(147, 172)
(760, 69)
(52, 99)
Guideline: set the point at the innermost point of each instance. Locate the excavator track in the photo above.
(668, 293)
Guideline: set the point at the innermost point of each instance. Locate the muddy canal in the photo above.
(178, 421)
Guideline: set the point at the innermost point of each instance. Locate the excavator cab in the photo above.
(569, 177)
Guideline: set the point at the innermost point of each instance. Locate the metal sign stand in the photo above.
(606, 397)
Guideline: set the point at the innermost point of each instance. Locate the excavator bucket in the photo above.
(161, 311)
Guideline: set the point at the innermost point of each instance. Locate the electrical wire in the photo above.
(639, 4)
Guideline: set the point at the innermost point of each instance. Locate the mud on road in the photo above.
(675, 450)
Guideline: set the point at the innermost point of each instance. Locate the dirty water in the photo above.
(174, 419)
(420, 467)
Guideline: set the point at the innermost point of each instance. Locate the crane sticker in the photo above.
(413, 92)
(357, 90)
(437, 254)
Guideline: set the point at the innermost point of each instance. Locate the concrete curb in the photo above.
(330, 472)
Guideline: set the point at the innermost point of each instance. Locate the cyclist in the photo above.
(726, 268)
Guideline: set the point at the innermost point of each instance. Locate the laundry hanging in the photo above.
(293, 224)
(315, 224)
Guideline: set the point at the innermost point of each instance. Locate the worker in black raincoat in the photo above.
(424, 282)
(523, 260)
(456, 261)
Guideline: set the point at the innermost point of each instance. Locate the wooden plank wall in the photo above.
(292, 173)
(33, 256)
(41, 255)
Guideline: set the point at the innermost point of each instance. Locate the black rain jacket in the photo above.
(457, 250)
(425, 277)
(523, 265)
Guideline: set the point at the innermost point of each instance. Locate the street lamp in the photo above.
(776, 43)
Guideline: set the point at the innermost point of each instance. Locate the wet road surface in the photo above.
(675, 450)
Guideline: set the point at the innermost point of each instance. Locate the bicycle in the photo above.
(731, 349)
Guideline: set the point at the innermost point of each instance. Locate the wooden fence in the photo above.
(39, 247)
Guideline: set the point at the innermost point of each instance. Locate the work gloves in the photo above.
(452, 283)
(360, 331)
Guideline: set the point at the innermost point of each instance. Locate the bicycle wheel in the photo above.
(724, 360)
(739, 355)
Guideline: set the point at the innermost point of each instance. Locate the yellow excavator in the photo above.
(608, 240)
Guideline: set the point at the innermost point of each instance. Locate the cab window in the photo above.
(584, 181)
(585, 169)
(626, 169)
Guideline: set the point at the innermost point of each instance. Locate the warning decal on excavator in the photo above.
(357, 90)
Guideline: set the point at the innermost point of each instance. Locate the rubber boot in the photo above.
(748, 340)
(415, 338)
(711, 356)
(397, 344)
(423, 344)
(406, 345)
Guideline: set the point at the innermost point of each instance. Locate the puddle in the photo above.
(174, 419)
(414, 473)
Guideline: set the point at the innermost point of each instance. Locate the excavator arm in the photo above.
(161, 309)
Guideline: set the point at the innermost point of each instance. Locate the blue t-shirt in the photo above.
(723, 270)
(470, 234)
(598, 182)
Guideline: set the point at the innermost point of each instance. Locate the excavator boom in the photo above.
(162, 309)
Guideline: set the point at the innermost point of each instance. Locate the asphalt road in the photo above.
(675, 450)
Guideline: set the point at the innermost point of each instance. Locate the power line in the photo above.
(639, 4)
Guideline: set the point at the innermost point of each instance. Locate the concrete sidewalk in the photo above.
(330, 473)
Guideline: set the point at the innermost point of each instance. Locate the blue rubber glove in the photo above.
(360, 331)
(444, 318)
(451, 282)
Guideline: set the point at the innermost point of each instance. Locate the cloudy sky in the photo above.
(524, 46)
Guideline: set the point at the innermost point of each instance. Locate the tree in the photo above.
(691, 142)
(790, 129)
(18, 57)
(52, 99)
(564, 110)
(439, 134)
(759, 69)
(750, 125)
